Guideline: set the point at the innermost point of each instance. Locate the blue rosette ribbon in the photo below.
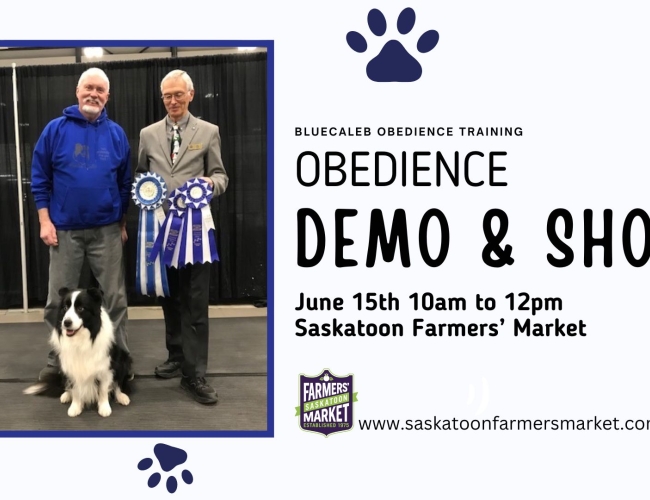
(170, 238)
(198, 242)
(149, 192)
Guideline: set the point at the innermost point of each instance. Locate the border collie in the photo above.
(92, 364)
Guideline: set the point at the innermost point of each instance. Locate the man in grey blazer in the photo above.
(199, 155)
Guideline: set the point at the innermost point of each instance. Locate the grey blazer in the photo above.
(199, 155)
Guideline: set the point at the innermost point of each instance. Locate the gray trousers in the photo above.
(102, 247)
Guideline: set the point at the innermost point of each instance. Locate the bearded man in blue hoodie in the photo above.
(81, 182)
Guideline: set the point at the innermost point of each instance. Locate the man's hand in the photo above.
(209, 181)
(125, 235)
(48, 234)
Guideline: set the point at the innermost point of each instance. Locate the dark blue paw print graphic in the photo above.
(393, 63)
(168, 458)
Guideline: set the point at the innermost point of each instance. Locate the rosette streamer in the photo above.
(171, 233)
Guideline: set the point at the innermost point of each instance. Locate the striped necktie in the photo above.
(176, 143)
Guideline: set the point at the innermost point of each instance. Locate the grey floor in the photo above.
(237, 369)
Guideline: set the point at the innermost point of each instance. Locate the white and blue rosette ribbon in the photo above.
(167, 242)
(149, 192)
(198, 243)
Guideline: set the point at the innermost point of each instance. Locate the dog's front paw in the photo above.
(105, 409)
(65, 398)
(74, 410)
(123, 399)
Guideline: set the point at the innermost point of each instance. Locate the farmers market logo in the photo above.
(326, 403)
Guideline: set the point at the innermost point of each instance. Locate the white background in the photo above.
(574, 76)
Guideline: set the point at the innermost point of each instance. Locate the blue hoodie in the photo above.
(81, 171)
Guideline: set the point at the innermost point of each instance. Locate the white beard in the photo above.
(91, 109)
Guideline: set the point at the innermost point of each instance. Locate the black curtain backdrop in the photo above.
(230, 91)
(10, 270)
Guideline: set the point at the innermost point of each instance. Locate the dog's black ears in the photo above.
(95, 293)
(63, 292)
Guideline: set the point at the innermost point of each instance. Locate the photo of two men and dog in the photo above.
(135, 240)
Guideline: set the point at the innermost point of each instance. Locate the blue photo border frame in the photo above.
(270, 396)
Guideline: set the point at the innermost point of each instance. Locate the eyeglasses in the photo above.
(178, 96)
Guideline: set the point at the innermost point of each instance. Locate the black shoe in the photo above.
(169, 369)
(199, 390)
(48, 372)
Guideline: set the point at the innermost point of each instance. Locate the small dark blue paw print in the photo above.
(393, 63)
(168, 458)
